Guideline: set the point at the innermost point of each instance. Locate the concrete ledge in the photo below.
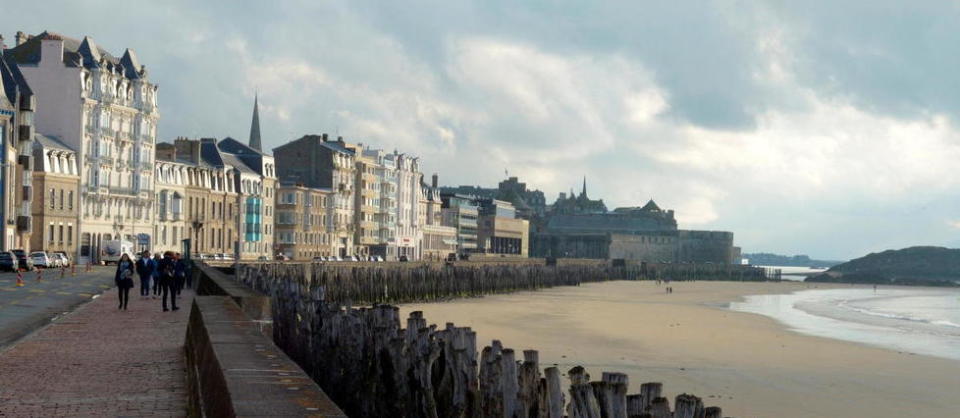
(212, 281)
(233, 370)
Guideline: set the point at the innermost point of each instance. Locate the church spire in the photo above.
(255, 126)
(584, 192)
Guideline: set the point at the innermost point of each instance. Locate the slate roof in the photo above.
(12, 79)
(51, 142)
(74, 50)
(602, 223)
(651, 206)
(230, 159)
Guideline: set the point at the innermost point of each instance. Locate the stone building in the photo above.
(646, 233)
(17, 106)
(529, 203)
(301, 222)
(315, 161)
(171, 178)
(105, 108)
(256, 182)
(438, 240)
(500, 231)
(370, 172)
(55, 201)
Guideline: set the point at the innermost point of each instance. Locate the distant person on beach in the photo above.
(124, 279)
(145, 269)
(167, 281)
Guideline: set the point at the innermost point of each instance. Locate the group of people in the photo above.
(163, 276)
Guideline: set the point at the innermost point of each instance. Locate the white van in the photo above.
(114, 249)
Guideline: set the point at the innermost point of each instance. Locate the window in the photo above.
(70, 200)
(50, 234)
(60, 230)
(53, 199)
(69, 234)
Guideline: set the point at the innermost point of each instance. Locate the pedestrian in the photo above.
(188, 273)
(124, 279)
(145, 269)
(167, 281)
(156, 275)
(179, 273)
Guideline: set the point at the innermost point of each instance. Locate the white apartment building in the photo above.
(105, 108)
(409, 232)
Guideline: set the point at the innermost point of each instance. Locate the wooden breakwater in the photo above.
(372, 283)
(372, 367)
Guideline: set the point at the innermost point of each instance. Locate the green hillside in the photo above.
(926, 266)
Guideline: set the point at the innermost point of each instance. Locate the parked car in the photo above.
(404, 258)
(64, 258)
(8, 261)
(40, 259)
(23, 261)
(377, 258)
(263, 258)
(227, 257)
(319, 259)
(55, 260)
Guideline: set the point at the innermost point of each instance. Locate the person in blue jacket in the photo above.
(145, 269)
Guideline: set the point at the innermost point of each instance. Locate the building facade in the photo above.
(316, 161)
(17, 105)
(301, 222)
(461, 213)
(409, 231)
(56, 181)
(170, 230)
(105, 108)
(500, 231)
(437, 240)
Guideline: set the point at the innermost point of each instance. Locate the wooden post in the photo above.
(583, 404)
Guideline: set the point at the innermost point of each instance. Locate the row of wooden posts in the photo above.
(398, 283)
(371, 367)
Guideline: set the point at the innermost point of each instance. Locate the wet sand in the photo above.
(748, 364)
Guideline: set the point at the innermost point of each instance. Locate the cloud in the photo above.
(804, 127)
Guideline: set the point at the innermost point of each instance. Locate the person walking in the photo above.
(156, 275)
(145, 269)
(167, 281)
(124, 279)
(179, 272)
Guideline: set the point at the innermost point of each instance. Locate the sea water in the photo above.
(910, 320)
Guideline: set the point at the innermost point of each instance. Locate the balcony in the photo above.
(106, 160)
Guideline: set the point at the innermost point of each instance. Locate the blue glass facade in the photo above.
(253, 219)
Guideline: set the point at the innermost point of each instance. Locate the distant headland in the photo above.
(913, 266)
(770, 259)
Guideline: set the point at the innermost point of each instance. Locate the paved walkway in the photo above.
(25, 309)
(98, 361)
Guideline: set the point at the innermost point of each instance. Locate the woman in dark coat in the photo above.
(124, 279)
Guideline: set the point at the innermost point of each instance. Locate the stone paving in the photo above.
(99, 361)
(27, 308)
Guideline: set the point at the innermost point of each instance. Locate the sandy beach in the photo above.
(748, 364)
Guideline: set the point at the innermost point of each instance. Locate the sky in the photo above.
(824, 128)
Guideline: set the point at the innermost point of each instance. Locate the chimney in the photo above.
(434, 180)
(340, 140)
(325, 139)
(21, 38)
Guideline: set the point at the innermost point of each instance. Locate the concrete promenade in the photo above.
(98, 361)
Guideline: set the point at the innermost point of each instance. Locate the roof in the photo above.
(318, 140)
(651, 205)
(601, 223)
(12, 79)
(230, 159)
(51, 142)
(75, 52)
(233, 146)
